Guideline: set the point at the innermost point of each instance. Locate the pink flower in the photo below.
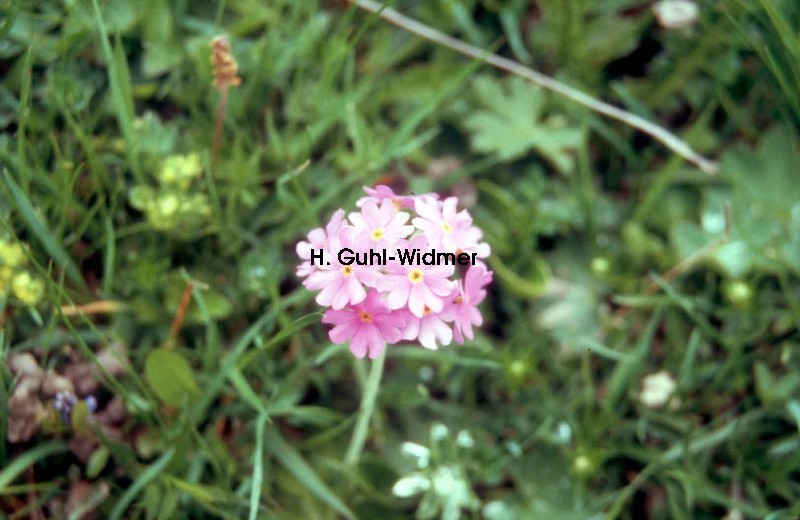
(341, 284)
(375, 304)
(368, 325)
(380, 193)
(380, 227)
(463, 310)
(418, 286)
(442, 224)
(427, 329)
(318, 239)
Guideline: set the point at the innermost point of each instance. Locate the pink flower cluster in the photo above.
(374, 305)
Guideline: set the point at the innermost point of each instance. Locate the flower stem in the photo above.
(220, 118)
(365, 410)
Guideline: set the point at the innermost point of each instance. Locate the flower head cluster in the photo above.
(402, 268)
(15, 278)
(177, 205)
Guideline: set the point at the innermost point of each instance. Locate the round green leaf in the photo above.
(170, 377)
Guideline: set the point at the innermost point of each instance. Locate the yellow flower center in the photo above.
(365, 317)
(347, 271)
(458, 299)
(377, 234)
(415, 275)
(447, 227)
(426, 311)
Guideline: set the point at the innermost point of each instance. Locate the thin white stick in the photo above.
(670, 140)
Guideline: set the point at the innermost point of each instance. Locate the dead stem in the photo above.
(225, 76)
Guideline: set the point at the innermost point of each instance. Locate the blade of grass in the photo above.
(302, 471)
(246, 392)
(38, 228)
(626, 370)
(120, 85)
(258, 466)
(147, 476)
(705, 441)
(30, 457)
(109, 258)
(24, 112)
(232, 359)
(285, 333)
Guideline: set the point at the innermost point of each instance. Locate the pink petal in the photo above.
(411, 331)
(416, 300)
(343, 332)
(449, 208)
(376, 343)
(427, 208)
(398, 297)
(432, 301)
(427, 336)
(358, 343)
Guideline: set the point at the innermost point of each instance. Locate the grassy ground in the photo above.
(640, 351)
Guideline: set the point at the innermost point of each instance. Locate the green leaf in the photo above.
(765, 201)
(170, 377)
(80, 417)
(528, 287)
(199, 492)
(97, 461)
(510, 124)
(160, 58)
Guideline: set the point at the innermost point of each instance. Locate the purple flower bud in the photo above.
(64, 403)
(91, 402)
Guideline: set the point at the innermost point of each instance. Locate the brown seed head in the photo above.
(224, 64)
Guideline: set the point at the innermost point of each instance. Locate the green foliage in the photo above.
(170, 377)
(510, 123)
(612, 261)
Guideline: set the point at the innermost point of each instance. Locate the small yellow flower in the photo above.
(27, 289)
(179, 170)
(12, 254)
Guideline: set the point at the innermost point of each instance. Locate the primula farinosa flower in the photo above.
(368, 325)
(463, 309)
(400, 268)
(341, 284)
(420, 287)
(381, 193)
(442, 224)
(318, 239)
(428, 329)
(380, 226)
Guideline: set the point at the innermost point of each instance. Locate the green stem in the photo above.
(365, 411)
